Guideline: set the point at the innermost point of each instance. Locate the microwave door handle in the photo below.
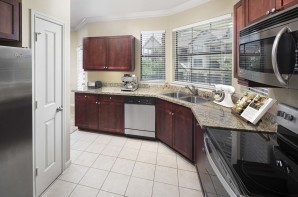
(279, 77)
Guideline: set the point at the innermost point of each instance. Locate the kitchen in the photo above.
(208, 115)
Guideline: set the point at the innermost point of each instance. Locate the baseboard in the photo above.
(67, 164)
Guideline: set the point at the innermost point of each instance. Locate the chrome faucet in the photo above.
(193, 89)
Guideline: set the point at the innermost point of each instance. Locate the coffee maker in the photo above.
(130, 82)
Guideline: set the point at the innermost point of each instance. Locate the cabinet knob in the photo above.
(172, 114)
(273, 10)
(95, 102)
(85, 96)
(268, 12)
(110, 98)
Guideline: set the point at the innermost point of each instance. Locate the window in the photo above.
(82, 75)
(153, 56)
(203, 52)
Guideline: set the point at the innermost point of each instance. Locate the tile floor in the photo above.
(113, 166)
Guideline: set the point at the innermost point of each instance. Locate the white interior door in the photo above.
(48, 95)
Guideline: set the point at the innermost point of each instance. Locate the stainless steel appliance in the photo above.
(268, 50)
(140, 116)
(94, 84)
(130, 82)
(16, 161)
(255, 164)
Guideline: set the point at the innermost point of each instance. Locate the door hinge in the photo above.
(35, 35)
(35, 104)
(36, 171)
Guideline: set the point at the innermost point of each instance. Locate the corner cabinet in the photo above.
(10, 23)
(174, 127)
(99, 112)
(112, 53)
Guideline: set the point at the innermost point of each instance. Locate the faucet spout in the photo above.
(192, 89)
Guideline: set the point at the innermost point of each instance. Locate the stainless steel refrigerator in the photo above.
(16, 160)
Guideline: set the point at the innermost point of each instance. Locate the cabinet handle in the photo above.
(85, 96)
(172, 114)
(95, 102)
(268, 12)
(110, 98)
(273, 10)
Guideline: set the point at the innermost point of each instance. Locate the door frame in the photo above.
(34, 15)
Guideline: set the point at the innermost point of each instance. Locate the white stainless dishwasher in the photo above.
(140, 116)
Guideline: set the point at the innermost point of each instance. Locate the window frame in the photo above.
(175, 55)
(163, 32)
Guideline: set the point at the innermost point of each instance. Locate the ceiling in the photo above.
(84, 11)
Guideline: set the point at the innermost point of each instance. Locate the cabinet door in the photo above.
(289, 3)
(9, 20)
(183, 131)
(111, 114)
(92, 112)
(95, 53)
(257, 9)
(164, 122)
(80, 110)
(121, 53)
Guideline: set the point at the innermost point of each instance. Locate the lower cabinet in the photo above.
(86, 112)
(174, 127)
(111, 114)
(99, 112)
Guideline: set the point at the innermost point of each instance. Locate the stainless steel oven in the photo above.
(268, 50)
(255, 164)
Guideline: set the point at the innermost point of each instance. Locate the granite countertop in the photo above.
(208, 114)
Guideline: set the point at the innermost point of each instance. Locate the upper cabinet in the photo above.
(258, 9)
(114, 53)
(9, 20)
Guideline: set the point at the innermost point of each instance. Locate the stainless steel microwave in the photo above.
(268, 50)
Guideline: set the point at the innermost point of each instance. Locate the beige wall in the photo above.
(73, 65)
(206, 11)
(59, 10)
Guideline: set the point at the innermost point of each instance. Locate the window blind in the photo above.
(203, 52)
(153, 56)
(262, 91)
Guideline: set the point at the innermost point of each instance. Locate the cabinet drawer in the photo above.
(113, 98)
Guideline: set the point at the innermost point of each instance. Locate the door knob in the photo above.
(59, 109)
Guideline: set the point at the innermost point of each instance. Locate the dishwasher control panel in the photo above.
(140, 100)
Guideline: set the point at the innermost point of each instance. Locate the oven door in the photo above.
(218, 174)
(270, 57)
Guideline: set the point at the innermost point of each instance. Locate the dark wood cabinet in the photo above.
(164, 122)
(113, 53)
(174, 127)
(288, 3)
(258, 9)
(121, 53)
(99, 112)
(95, 53)
(111, 114)
(182, 131)
(10, 22)
(86, 111)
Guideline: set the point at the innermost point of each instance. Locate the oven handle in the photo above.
(215, 169)
(279, 77)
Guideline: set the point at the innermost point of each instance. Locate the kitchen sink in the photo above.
(176, 95)
(193, 99)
